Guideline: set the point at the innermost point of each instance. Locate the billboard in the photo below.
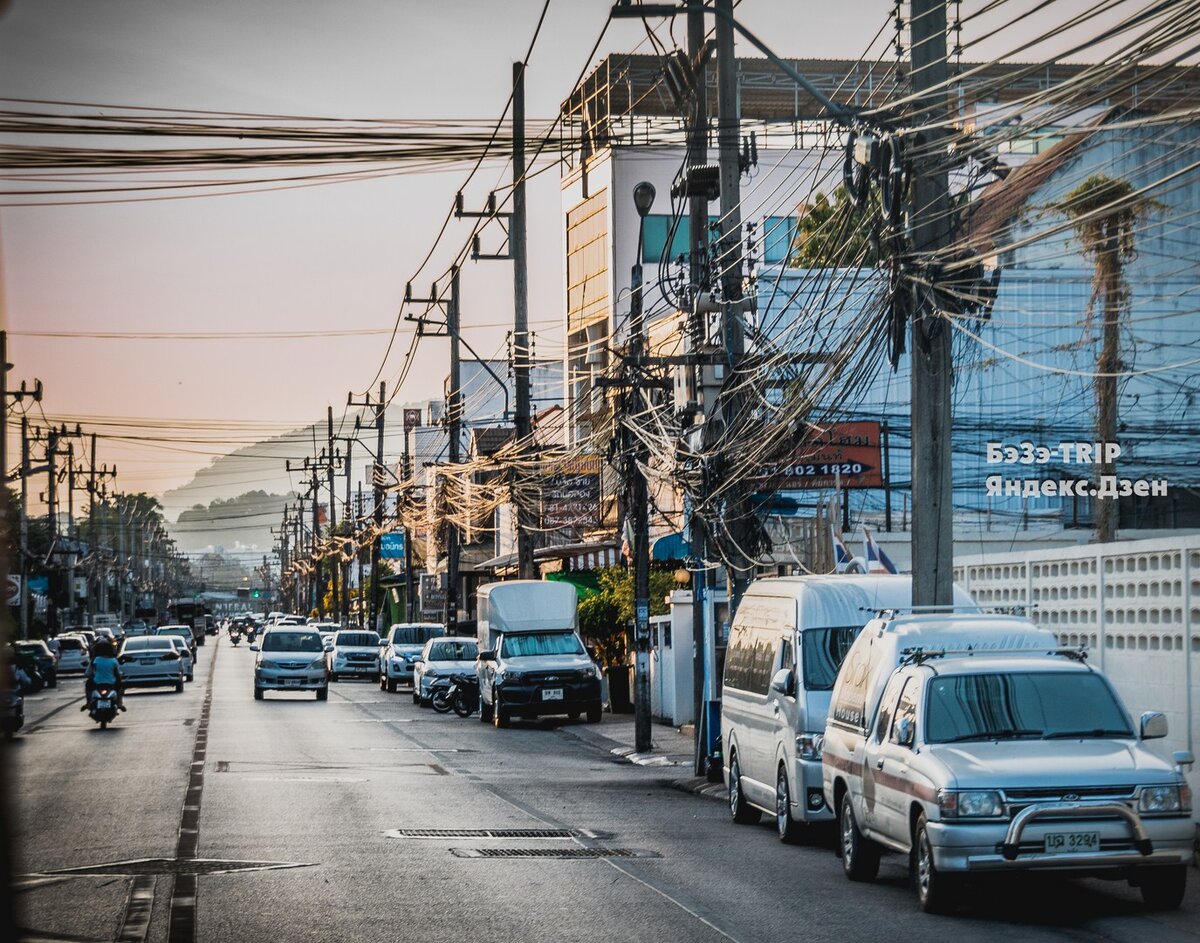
(841, 454)
(391, 546)
(571, 492)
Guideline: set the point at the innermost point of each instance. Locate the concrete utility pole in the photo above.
(343, 565)
(410, 602)
(523, 421)
(729, 265)
(933, 510)
(697, 257)
(25, 473)
(361, 586)
(335, 563)
(376, 589)
(454, 410)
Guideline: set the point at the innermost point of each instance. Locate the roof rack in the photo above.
(918, 656)
(888, 612)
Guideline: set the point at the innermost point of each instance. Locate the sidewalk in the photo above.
(671, 750)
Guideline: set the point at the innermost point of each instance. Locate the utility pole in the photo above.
(343, 565)
(516, 242)
(729, 266)
(454, 416)
(933, 521)
(335, 563)
(361, 585)
(377, 472)
(697, 335)
(25, 472)
(410, 601)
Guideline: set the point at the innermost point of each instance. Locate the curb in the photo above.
(645, 759)
(700, 786)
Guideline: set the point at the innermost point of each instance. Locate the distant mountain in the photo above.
(241, 525)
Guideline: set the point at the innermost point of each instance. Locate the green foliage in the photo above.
(837, 233)
(604, 617)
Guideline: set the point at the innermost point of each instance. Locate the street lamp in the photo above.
(643, 199)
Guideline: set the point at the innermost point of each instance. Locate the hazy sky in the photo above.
(306, 259)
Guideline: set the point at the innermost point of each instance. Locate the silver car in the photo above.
(150, 661)
(185, 653)
(290, 659)
(978, 763)
(355, 652)
(72, 654)
(442, 658)
(404, 644)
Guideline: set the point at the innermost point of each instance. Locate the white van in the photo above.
(786, 644)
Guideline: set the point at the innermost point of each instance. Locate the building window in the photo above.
(773, 236)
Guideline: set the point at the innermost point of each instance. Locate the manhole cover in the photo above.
(550, 853)
(485, 833)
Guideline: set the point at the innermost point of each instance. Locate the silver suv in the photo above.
(990, 762)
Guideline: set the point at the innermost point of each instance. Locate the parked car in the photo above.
(405, 641)
(354, 652)
(185, 653)
(532, 662)
(786, 644)
(43, 657)
(72, 654)
(290, 659)
(441, 658)
(150, 661)
(181, 631)
(987, 762)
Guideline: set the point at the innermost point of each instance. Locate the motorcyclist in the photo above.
(103, 670)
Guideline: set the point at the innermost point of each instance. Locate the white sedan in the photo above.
(441, 658)
(150, 660)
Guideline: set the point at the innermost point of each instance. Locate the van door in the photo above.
(786, 708)
(887, 762)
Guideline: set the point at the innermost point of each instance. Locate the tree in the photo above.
(837, 233)
(1105, 213)
(605, 616)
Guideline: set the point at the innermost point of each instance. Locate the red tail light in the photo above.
(124, 659)
(169, 656)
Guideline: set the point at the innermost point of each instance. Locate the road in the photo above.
(208, 816)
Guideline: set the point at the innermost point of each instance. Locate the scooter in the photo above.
(235, 636)
(459, 693)
(102, 707)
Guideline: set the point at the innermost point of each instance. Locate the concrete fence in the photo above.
(1134, 604)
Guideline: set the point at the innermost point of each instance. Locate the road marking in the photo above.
(138, 907)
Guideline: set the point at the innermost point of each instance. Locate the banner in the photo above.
(571, 492)
(843, 454)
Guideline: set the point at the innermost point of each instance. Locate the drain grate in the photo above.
(550, 853)
(484, 833)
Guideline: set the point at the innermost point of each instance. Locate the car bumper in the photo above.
(366, 669)
(150, 680)
(806, 790)
(299, 681)
(400, 672)
(989, 847)
(528, 700)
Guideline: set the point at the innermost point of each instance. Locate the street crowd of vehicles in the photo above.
(966, 741)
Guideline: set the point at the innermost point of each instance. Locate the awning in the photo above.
(670, 547)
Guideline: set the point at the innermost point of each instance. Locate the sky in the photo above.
(324, 258)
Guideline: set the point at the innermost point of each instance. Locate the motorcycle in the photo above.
(102, 707)
(235, 636)
(12, 712)
(251, 631)
(459, 693)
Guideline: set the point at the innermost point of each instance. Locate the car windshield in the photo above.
(824, 650)
(277, 641)
(453, 651)
(70, 644)
(31, 648)
(362, 639)
(415, 634)
(1036, 704)
(541, 643)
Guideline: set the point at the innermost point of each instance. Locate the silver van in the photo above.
(786, 644)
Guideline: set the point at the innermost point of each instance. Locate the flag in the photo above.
(841, 555)
(877, 560)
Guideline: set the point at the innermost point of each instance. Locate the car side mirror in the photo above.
(1154, 725)
(489, 655)
(784, 682)
(255, 648)
(1184, 759)
(904, 731)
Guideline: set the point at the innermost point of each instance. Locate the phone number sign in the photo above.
(842, 454)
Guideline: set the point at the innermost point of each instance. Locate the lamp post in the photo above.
(636, 455)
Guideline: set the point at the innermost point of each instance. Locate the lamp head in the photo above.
(643, 197)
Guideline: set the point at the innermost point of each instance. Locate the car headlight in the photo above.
(971, 804)
(1161, 799)
(810, 745)
(591, 672)
(317, 662)
(505, 676)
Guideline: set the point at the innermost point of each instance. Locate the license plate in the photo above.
(552, 694)
(104, 705)
(146, 661)
(1072, 841)
(291, 682)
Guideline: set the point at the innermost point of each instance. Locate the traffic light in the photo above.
(256, 594)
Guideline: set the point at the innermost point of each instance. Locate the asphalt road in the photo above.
(209, 816)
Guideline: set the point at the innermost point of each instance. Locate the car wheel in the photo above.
(499, 714)
(1163, 888)
(179, 686)
(594, 714)
(333, 676)
(936, 892)
(860, 855)
(790, 831)
(104, 725)
(391, 685)
(739, 808)
(52, 681)
(485, 711)
(382, 683)
(323, 693)
(191, 677)
(258, 693)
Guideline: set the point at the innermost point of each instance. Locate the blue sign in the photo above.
(391, 546)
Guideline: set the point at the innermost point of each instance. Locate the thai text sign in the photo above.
(841, 454)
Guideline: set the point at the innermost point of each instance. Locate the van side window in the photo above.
(759, 680)
(887, 707)
(787, 655)
(737, 657)
(906, 707)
